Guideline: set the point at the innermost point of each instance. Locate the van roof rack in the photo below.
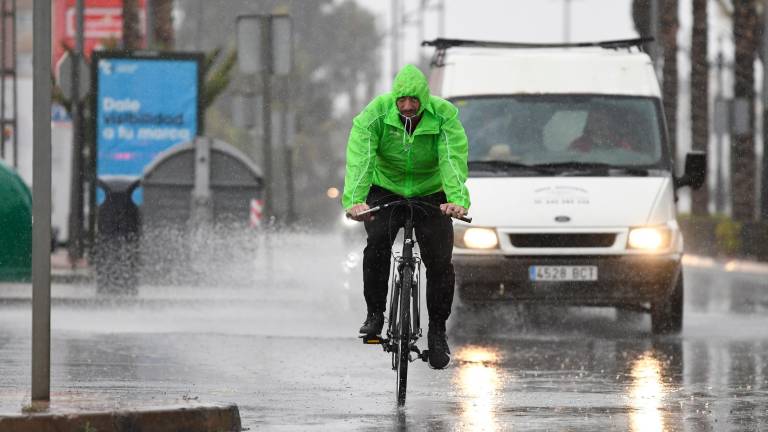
(442, 44)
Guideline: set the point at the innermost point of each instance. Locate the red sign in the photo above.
(102, 19)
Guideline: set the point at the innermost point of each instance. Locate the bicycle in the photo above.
(404, 327)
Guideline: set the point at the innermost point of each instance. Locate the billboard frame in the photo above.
(198, 57)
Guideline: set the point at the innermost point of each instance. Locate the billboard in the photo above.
(103, 21)
(144, 104)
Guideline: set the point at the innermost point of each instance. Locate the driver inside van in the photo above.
(601, 133)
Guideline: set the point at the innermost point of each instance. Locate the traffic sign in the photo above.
(64, 77)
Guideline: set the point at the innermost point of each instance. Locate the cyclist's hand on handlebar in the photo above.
(453, 210)
(353, 213)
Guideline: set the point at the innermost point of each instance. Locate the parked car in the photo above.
(572, 178)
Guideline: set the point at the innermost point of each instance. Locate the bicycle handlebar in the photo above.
(466, 219)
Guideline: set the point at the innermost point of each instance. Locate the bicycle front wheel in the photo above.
(404, 335)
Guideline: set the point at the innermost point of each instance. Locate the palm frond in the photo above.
(217, 79)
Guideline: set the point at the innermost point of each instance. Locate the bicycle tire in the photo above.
(404, 335)
(392, 329)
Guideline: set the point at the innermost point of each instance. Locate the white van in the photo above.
(571, 177)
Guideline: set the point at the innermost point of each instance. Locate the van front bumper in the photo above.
(621, 280)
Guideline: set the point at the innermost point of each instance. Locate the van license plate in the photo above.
(563, 273)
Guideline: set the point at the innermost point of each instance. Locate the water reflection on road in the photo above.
(646, 394)
(283, 347)
(480, 387)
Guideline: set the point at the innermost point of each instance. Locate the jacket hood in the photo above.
(410, 81)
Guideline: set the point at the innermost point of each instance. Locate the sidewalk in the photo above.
(79, 412)
(62, 271)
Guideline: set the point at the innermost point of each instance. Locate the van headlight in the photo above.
(649, 238)
(475, 238)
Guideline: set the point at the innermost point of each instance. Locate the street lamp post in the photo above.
(264, 46)
(76, 186)
(41, 203)
(764, 166)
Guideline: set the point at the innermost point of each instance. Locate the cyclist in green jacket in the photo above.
(407, 143)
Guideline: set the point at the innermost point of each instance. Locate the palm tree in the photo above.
(131, 29)
(743, 144)
(669, 27)
(162, 12)
(641, 16)
(699, 96)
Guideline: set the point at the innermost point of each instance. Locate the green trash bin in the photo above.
(15, 227)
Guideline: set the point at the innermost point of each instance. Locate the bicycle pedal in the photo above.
(424, 355)
(372, 339)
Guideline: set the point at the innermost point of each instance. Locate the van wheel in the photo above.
(667, 314)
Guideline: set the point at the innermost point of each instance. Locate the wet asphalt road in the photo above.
(277, 337)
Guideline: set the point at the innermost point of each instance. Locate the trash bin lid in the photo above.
(15, 226)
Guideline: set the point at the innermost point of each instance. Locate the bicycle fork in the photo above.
(389, 344)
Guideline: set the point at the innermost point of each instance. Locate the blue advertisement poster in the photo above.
(143, 107)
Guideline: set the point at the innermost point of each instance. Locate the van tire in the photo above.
(667, 314)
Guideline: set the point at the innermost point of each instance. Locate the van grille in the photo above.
(565, 240)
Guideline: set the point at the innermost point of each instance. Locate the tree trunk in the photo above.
(641, 16)
(162, 30)
(743, 144)
(699, 97)
(641, 11)
(131, 25)
(669, 27)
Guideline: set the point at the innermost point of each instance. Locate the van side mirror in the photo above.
(695, 171)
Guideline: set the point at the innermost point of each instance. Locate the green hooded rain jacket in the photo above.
(381, 152)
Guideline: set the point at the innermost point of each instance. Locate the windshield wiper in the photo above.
(593, 166)
(501, 165)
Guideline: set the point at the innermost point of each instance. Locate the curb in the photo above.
(71, 277)
(204, 418)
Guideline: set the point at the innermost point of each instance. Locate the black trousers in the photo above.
(434, 235)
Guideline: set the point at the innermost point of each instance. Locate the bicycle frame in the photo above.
(414, 263)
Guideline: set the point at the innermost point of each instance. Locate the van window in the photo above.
(620, 131)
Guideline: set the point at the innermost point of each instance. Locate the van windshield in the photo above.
(558, 132)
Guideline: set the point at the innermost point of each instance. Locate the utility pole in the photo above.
(264, 48)
(150, 23)
(566, 21)
(266, 118)
(41, 202)
(441, 18)
(76, 186)
(8, 66)
(395, 40)
(422, 11)
(764, 165)
(286, 125)
(721, 120)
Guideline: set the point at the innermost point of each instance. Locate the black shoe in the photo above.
(439, 354)
(373, 324)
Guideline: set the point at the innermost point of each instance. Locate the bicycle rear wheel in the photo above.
(404, 335)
